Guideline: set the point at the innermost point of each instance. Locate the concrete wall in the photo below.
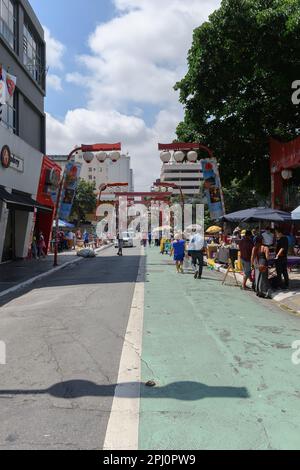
(28, 180)
(3, 223)
(24, 223)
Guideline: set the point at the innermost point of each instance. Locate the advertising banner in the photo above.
(3, 89)
(213, 188)
(72, 173)
(11, 82)
(7, 86)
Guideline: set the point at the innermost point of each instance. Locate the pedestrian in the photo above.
(120, 245)
(78, 234)
(246, 247)
(150, 239)
(86, 239)
(268, 237)
(255, 233)
(62, 240)
(195, 250)
(282, 248)
(41, 246)
(179, 252)
(259, 260)
(34, 248)
(70, 239)
(168, 247)
(162, 245)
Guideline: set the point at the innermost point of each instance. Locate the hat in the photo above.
(243, 233)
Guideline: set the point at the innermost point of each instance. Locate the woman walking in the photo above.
(179, 252)
(41, 246)
(259, 260)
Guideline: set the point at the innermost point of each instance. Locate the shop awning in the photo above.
(21, 201)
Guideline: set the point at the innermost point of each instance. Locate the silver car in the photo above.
(127, 240)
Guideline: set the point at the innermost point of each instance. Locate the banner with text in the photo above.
(72, 173)
(213, 188)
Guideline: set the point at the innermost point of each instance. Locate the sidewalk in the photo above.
(18, 273)
(289, 299)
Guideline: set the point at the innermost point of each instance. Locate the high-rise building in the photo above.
(102, 173)
(22, 126)
(188, 176)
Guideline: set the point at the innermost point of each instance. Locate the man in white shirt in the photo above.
(195, 250)
(268, 237)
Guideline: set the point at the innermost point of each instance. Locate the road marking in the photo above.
(123, 426)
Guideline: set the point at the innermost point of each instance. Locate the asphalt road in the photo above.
(64, 338)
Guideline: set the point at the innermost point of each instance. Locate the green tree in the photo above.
(237, 197)
(237, 91)
(85, 200)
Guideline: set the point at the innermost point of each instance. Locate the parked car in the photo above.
(127, 240)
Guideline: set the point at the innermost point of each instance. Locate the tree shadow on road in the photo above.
(185, 390)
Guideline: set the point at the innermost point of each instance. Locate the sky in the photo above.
(112, 69)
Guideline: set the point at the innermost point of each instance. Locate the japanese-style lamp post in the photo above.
(88, 152)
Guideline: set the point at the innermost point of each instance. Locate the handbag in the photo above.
(263, 268)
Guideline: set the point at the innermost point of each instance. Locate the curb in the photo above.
(30, 281)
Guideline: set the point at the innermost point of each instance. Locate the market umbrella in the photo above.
(63, 224)
(258, 213)
(214, 229)
(296, 214)
(162, 228)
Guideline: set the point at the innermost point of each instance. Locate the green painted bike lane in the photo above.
(221, 360)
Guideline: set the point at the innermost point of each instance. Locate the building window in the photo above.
(90, 170)
(32, 55)
(9, 115)
(8, 22)
(90, 177)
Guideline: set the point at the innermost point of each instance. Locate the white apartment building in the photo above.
(188, 176)
(102, 173)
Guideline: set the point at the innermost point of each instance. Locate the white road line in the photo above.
(123, 426)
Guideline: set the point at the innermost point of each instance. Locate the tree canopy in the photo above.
(85, 200)
(238, 88)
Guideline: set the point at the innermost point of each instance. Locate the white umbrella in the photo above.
(161, 229)
(296, 214)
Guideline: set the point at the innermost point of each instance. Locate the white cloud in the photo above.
(54, 82)
(135, 59)
(55, 51)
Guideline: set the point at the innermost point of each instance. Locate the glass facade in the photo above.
(8, 22)
(9, 115)
(32, 55)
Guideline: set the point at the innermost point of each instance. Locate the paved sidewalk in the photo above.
(17, 272)
(221, 359)
(288, 299)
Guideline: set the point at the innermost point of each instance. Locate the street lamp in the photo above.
(88, 156)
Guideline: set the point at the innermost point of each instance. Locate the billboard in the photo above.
(72, 172)
(213, 188)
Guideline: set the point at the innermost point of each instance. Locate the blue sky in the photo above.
(71, 23)
(113, 67)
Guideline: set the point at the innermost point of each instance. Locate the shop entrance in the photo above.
(9, 250)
